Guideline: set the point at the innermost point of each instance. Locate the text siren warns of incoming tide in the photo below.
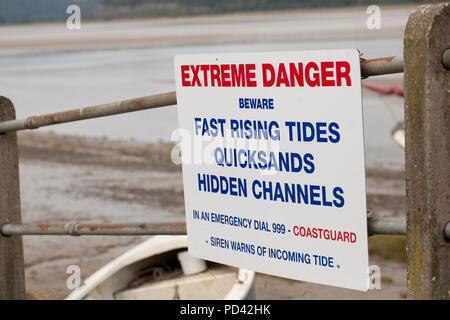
(273, 163)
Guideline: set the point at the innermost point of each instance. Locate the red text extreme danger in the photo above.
(310, 74)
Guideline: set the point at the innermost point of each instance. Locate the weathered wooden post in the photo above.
(427, 114)
(12, 279)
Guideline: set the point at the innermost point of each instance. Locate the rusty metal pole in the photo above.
(80, 229)
(101, 110)
(427, 114)
(12, 278)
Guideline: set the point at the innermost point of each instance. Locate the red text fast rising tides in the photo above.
(299, 74)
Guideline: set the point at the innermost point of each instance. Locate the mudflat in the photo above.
(97, 180)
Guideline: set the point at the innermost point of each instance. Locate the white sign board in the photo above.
(273, 163)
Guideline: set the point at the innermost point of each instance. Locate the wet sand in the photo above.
(93, 180)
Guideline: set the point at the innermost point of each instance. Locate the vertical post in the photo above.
(427, 114)
(12, 279)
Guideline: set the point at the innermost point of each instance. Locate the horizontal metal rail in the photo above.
(79, 229)
(375, 226)
(102, 110)
(369, 67)
(392, 226)
(381, 66)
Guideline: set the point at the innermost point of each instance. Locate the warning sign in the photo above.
(273, 163)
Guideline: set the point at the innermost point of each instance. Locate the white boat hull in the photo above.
(112, 281)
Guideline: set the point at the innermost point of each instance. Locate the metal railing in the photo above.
(370, 67)
(386, 226)
(80, 229)
(102, 110)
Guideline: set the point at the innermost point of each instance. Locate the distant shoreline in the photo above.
(277, 26)
(287, 12)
